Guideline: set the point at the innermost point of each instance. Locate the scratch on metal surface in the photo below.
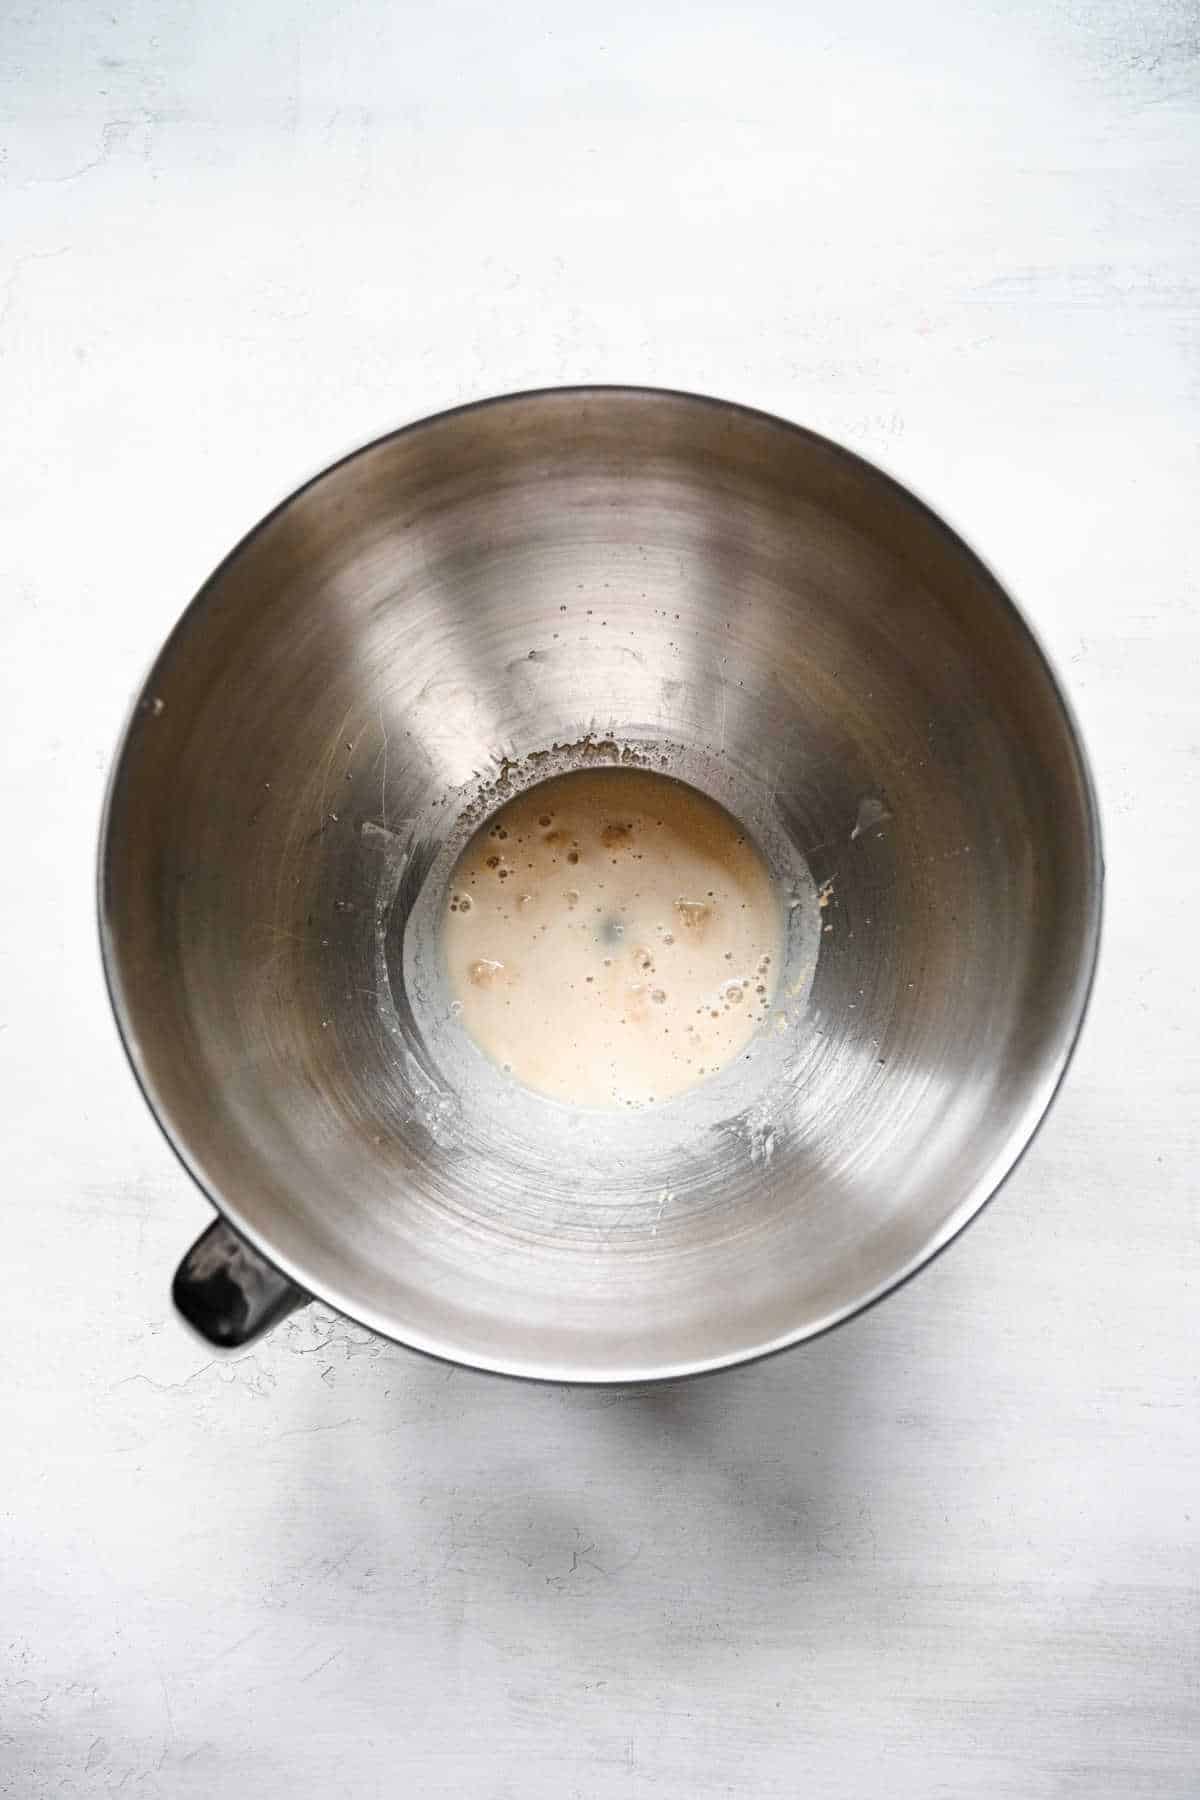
(383, 783)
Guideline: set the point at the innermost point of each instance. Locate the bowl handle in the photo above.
(230, 1293)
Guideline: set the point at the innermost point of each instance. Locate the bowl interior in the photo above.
(522, 587)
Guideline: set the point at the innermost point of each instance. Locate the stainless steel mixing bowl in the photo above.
(483, 599)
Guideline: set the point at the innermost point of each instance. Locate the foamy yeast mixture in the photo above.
(612, 937)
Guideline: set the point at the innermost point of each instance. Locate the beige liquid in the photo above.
(612, 938)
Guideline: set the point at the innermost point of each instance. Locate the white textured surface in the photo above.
(950, 1551)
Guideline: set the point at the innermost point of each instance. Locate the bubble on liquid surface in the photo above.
(485, 971)
(696, 914)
